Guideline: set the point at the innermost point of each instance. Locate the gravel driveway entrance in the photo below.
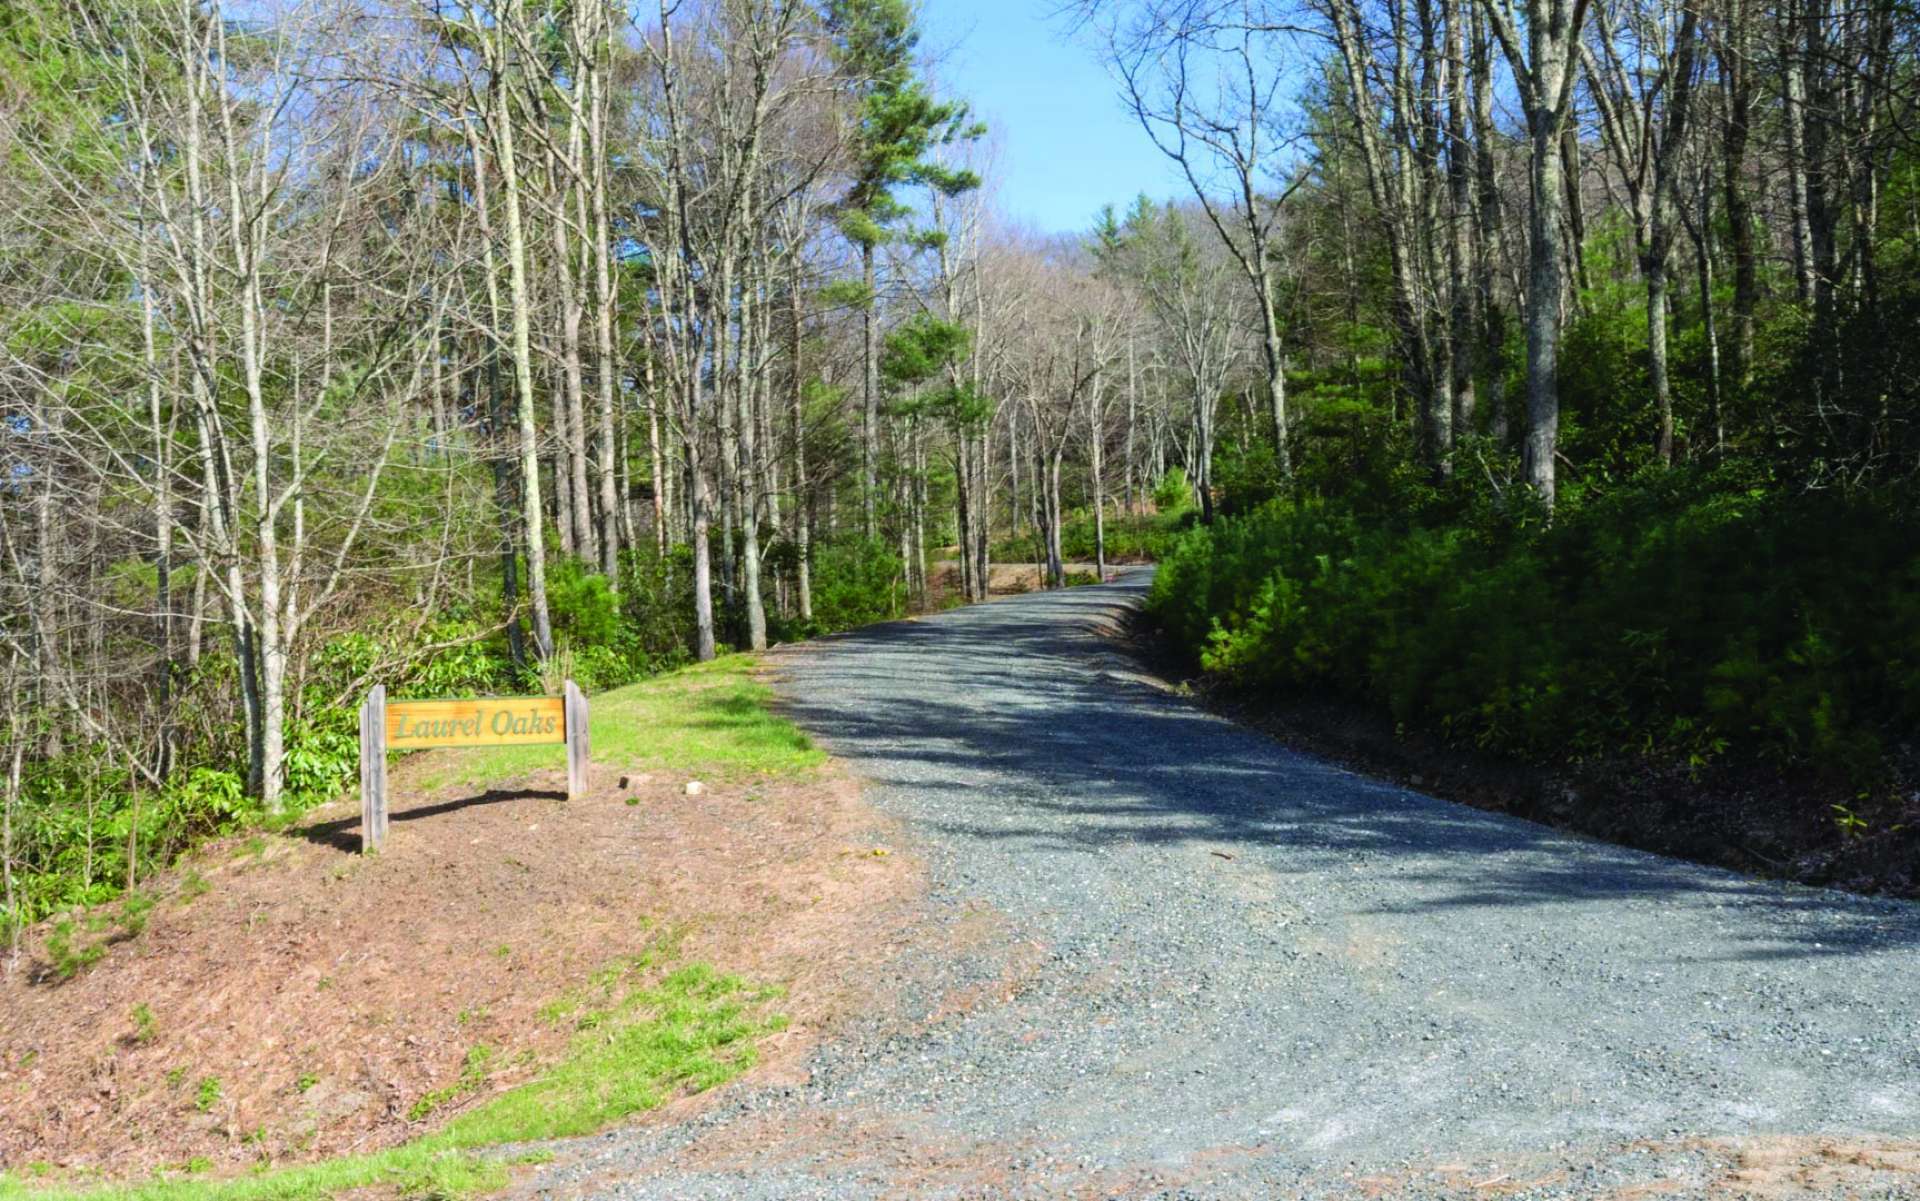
(1166, 956)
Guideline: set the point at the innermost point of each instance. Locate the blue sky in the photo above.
(1065, 145)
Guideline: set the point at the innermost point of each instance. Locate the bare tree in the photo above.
(1641, 62)
(1209, 84)
(1544, 70)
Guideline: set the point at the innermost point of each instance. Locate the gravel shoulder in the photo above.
(1164, 955)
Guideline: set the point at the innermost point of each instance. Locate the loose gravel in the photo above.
(1194, 963)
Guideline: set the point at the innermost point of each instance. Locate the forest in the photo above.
(1542, 377)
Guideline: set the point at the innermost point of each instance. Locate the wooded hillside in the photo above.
(1543, 375)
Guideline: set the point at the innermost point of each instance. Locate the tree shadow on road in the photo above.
(1020, 702)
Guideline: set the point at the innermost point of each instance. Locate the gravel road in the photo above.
(1168, 957)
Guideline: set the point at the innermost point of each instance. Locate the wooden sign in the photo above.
(479, 721)
(486, 721)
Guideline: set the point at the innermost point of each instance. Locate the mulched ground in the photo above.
(326, 992)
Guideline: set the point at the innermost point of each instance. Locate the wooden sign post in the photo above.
(480, 721)
(373, 769)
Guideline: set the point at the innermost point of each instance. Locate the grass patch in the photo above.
(144, 1024)
(473, 1076)
(68, 955)
(711, 717)
(411, 1171)
(78, 942)
(692, 1029)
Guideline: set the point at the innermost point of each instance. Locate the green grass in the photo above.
(691, 1029)
(711, 718)
(473, 1076)
(698, 1032)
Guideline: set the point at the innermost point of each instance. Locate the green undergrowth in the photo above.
(1129, 538)
(1687, 616)
(714, 718)
(641, 1039)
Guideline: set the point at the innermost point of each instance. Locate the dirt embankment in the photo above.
(289, 999)
(1752, 817)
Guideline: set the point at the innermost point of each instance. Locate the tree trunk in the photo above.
(869, 395)
(802, 506)
(704, 646)
(606, 369)
(1202, 456)
(1656, 270)
(159, 433)
(662, 503)
(1460, 250)
(505, 501)
(1703, 262)
(917, 492)
(1491, 228)
(1127, 464)
(574, 443)
(1575, 208)
(1795, 119)
(243, 224)
(1096, 437)
(1544, 288)
(533, 532)
(1736, 70)
(1276, 366)
(1056, 563)
(1544, 73)
(750, 482)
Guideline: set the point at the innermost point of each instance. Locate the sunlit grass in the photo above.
(639, 1044)
(712, 718)
(693, 1030)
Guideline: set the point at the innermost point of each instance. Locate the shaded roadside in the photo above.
(1749, 816)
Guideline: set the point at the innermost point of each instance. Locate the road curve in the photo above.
(1219, 968)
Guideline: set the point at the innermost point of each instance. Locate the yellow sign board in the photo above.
(476, 721)
(482, 721)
